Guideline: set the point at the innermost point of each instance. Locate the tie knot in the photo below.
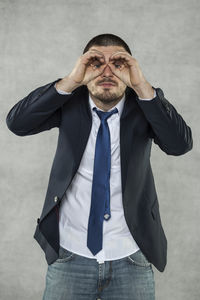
(104, 115)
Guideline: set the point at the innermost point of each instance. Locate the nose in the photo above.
(107, 71)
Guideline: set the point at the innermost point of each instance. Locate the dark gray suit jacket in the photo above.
(140, 123)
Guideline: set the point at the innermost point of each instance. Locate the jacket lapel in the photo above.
(126, 127)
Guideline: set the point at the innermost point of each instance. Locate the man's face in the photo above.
(107, 93)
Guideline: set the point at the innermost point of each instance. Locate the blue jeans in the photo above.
(75, 277)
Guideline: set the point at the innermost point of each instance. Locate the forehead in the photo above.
(107, 50)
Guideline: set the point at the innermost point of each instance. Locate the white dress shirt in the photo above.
(75, 205)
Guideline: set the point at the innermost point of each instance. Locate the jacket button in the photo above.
(38, 220)
(55, 198)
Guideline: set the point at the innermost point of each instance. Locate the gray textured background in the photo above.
(40, 42)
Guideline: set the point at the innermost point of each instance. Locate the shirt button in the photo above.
(55, 198)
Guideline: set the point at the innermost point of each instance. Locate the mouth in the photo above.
(107, 84)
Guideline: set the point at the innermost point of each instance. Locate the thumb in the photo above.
(115, 71)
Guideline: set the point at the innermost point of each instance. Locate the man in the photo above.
(100, 226)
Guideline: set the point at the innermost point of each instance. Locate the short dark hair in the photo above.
(107, 39)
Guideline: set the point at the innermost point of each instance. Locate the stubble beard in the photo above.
(106, 96)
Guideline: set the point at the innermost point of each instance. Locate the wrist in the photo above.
(66, 84)
(144, 90)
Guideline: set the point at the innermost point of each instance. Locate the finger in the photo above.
(96, 63)
(119, 64)
(121, 52)
(91, 55)
(113, 69)
(97, 57)
(95, 52)
(92, 50)
(120, 57)
(95, 60)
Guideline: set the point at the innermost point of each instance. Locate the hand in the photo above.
(127, 69)
(86, 67)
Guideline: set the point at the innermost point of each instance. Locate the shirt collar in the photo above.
(119, 105)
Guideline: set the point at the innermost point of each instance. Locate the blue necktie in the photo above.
(100, 199)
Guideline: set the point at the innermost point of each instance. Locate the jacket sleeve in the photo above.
(40, 110)
(167, 127)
